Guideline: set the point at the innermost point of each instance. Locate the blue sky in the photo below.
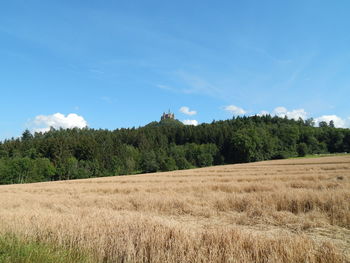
(111, 64)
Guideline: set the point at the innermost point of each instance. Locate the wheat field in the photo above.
(294, 210)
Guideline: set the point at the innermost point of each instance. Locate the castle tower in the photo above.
(168, 115)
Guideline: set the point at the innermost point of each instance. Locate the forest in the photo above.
(63, 154)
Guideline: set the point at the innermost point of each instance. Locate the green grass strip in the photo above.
(310, 156)
(14, 249)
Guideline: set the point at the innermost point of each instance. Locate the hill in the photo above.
(162, 146)
(165, 122)
(293, 210)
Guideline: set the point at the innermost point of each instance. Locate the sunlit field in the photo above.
(275, 211)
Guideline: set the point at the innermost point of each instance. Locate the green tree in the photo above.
(302, 149)
(26, 136)
(149, 162)
(323, 124)
(43, 170)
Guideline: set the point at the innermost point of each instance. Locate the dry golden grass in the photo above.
(275, 211)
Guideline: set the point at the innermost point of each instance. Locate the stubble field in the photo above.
(294, 210)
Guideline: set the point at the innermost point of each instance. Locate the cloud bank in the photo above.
(190, 122)
(42, 123)
(187, 111)
(294, 114)
(283, 112)
(301, 113)
(338, 122)
(235, 110)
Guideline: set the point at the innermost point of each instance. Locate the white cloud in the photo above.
(235, 110)
(294, 114)
(263, 113)
(280, 111)
(301, 113)
(338, 122)
(42, 123)
(186, 110)
(190, 122)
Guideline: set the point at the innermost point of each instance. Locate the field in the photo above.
(294, 210)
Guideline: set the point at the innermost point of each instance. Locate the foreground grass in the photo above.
(16, 250)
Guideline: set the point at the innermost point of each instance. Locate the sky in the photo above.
(113, 64)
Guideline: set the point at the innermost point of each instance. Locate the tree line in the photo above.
(63, 154)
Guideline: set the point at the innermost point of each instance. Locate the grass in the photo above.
(295, 210)
(15, 250)
(320, 155)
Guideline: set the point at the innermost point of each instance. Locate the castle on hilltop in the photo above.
(168, 115)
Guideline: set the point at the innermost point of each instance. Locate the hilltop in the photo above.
(165, 122)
